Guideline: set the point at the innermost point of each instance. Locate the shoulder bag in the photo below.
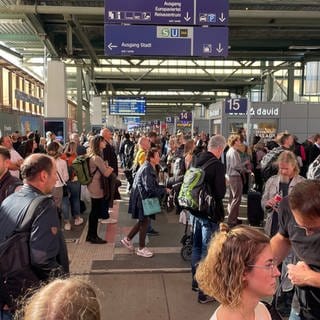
(150, 205)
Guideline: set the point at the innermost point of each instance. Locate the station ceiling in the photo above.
(264, 36)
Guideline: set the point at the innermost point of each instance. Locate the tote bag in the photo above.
(151, 206)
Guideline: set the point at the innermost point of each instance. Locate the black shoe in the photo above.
(152, 233)
(203, 298)
(194, 286)
(96, 240)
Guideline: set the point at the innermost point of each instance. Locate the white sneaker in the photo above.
(144, 252)
(67, 226)
(78, 221)
(109, 220)
(128, 244)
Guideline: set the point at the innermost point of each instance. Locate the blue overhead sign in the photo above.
(236, 105)
(142, 40)
(131, 120)
(177, 12)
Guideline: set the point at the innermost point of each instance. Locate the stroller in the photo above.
(187, 241)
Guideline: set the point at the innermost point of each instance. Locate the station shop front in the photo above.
(266, 119)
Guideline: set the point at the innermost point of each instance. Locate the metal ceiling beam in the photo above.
(42, 35)
(77, 29)
(18, 37)
(8, 50)
(178, 82)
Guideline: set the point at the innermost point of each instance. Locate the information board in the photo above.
(127, 106)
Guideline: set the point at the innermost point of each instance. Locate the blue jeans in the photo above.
(5, 315)
(65, 208)
(75, 191)
(294, 315)
(202, 232)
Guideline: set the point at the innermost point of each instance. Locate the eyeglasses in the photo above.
(271, 266)
(309, 230)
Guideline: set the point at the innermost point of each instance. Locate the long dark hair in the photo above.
(94, 145)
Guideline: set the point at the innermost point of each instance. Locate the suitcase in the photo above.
(255, 213)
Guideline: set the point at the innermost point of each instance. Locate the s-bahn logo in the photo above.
(173, 32)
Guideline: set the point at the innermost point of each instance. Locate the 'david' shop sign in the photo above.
(261, 112)
(273, 111)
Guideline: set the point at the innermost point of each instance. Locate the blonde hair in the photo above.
(62, 299)
(189, 147)
(289, 158)
(220, 274)
(232, 139)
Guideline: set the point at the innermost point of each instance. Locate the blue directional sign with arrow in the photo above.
(140, 40)
(162, 12)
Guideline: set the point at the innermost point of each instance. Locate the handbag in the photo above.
(150, 205)
(65, 191)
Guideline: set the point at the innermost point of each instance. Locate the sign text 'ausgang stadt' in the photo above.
(148, 40)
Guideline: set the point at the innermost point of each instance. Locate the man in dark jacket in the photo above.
(48, 251)
(8, 183)
(203, 228)
(109, 155)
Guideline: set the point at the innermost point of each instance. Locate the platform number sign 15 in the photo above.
(236, 105)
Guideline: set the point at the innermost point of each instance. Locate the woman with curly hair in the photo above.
(238, 271)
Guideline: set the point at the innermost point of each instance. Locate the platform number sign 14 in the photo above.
(238, 105)
(185, 116)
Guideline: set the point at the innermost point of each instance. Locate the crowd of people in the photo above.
(235, 265)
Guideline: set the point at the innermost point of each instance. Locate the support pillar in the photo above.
(79, 100)
(290, 88)
(269, 81)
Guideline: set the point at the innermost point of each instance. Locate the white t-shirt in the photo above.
(261, 313)
(14, 157)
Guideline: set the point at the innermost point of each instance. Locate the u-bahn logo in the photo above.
(172, 32)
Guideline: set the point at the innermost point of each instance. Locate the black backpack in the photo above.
(268, 165)
(16, 273)
(128, 153)
(314, 169)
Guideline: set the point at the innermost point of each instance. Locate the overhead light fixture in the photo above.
(304, 48)
(11, 21)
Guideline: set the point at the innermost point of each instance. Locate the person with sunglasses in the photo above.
(299, 229)
(238, 271)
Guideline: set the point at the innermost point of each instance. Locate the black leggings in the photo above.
(96, 209)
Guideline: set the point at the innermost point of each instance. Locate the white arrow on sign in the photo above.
(187, 18)
(111, 46)
(219, 49)
(222, 18)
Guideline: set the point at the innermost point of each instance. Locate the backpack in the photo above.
(314, 169)
(268, 167)
(129, 149)
(128, 154)
(16, 273)
(82, 169)
(178, 167)
(195, 195)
